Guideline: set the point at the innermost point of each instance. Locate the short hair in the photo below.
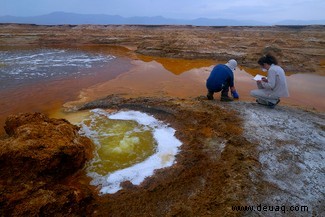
(268, 59)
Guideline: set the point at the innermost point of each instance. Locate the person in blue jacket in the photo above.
(221, 79)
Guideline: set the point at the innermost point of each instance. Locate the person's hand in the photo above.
(235, 94)
(264, 79)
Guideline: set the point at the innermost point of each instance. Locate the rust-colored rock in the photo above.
(39, 145)
(39, 154)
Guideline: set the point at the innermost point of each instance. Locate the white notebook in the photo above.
(259, 77)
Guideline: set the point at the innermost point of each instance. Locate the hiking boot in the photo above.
(261, 102)
(266, 103)
(271, 105)
(210, 96)
(226, 99)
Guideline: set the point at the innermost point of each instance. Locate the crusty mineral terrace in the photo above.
(299, 48)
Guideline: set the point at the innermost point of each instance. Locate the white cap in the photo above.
(232, 64)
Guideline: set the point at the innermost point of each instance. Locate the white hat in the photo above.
(232, 64)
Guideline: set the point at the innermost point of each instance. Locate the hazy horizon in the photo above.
(62, 18)
(257, 10)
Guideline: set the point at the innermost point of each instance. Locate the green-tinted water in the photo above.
(120, 143)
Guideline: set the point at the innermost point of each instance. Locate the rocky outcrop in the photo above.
(36, 157)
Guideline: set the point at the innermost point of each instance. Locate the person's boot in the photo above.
(261, 102)
(225, 98)
(272, 105)
(210, 95)
(267, 103)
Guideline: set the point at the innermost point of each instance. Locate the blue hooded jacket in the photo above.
(220, 76)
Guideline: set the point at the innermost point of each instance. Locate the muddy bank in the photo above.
(299, 48)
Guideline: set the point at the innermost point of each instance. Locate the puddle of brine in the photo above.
(120, 143)
(130, 145)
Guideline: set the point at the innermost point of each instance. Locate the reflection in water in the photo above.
(178, 66)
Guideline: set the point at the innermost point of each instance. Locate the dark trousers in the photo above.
(224, 90)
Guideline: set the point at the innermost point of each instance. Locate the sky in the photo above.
(258, 10)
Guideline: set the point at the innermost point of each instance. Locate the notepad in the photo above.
(258, 77)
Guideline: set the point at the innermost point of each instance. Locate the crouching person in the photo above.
(273, 87)
(221, 79)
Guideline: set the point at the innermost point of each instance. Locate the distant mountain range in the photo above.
(60, 18)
